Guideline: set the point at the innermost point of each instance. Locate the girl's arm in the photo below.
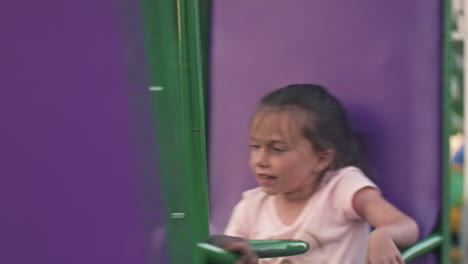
(393, 228)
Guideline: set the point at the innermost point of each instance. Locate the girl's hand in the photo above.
(382, 249)
(237, 245)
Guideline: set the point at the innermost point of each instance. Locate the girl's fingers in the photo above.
(239, 247)
(242, 248)
(400, 259)
(247, 259)
(250, 259)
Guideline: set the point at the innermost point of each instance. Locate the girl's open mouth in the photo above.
(265, 179)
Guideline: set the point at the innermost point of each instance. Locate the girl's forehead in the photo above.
(277, 125)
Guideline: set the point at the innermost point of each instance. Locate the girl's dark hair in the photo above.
(326, 125)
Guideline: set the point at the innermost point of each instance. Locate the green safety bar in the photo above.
(278, 247)
(283, 248)
(263, 249)
(422, 247)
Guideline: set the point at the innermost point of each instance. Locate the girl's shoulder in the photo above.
(350, 173)
(340, 188)
(344, 183)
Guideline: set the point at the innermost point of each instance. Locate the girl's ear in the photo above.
(325, 159)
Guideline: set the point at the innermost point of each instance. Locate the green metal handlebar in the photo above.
(278, 248)
(263, 249)
(422, 247)
(282, 248)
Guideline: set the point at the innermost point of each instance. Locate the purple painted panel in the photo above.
(381, 58)
(76, 140)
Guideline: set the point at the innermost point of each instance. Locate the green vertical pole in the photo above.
(172, 30)
(445, 94)
(205, 21)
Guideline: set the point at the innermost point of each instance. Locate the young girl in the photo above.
(304, 158)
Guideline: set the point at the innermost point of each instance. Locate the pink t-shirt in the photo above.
(335, 232)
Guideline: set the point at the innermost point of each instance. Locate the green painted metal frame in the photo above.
(172, 31)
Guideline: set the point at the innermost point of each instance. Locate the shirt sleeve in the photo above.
(238, 223)
(346, 188)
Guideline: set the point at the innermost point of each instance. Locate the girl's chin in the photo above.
(269, 191)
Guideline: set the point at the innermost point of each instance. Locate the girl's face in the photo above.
(282, 159)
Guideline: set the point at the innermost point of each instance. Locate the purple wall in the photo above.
(76, 144)
(381, 58)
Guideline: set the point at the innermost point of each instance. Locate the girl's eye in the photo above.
(253, 146)
(279, 149)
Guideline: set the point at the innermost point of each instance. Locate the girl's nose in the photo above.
(261, 159)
